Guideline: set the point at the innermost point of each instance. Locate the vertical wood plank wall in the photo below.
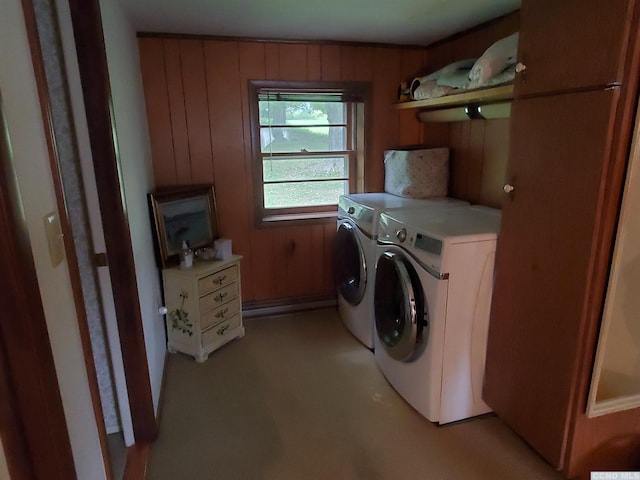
(479, 148)
(196, 92)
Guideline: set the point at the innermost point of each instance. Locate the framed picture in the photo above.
(183, 213)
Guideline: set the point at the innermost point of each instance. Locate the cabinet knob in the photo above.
(520, 67)
(508, 188)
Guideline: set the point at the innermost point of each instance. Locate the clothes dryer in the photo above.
(355, 253)
(433, 285)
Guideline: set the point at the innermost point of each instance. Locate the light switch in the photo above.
(54, 238)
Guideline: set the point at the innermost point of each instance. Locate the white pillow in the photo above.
(494, 60)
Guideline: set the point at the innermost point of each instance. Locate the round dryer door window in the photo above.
(350, 264)
(399, 306)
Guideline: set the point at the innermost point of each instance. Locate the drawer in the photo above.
(217, 280)
(219, 331)
(217, 298)
(221, 313)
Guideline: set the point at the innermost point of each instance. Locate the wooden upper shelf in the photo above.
(485, 95)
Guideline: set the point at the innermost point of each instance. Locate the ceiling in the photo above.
(403, 22)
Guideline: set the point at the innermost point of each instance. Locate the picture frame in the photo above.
(182, 213)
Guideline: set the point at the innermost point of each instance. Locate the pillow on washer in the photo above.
(417, 173)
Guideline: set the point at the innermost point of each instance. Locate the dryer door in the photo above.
(350, 264)
(400, 309)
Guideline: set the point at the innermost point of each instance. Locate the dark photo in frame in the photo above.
(182, 214)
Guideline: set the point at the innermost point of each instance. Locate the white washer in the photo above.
(355, 253)
(434, 278)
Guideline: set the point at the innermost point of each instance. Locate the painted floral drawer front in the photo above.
(218, 332)
(217, 280)
(218, 297)
(220, 314)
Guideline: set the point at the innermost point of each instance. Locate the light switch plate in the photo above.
(54, 237)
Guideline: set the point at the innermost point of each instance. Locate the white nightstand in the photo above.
(204, 306)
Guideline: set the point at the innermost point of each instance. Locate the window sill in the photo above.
(298, 219)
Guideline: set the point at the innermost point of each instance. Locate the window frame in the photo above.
(358, 111)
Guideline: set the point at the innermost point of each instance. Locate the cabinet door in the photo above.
(572, 44)
(559, 149)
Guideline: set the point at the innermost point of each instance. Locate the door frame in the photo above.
(36, 441)
(94, 76)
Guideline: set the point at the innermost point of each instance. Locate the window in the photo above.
(308, 142)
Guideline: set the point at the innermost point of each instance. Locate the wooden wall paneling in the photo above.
(263, 265)
(438, 56)
(293, 61)
(385, 117)
(318, 259)
(410, 131)
(272, 61)
(505, 26)
(436, 134)
(158, 116)
(464, 153)
(224, 94)
(363, 64)
(300, 258)
(262, 275)
(196, 106)
(331, 62)
(347, 66)
(456, 165)
(177, 113)
(314, 63)
(472, 45)
(329, 236)
(495, 158)
(280, 260)
(475, 153)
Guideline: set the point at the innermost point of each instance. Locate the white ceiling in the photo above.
(404, 22)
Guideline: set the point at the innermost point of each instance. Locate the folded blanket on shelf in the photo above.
(458, 79)
(494, 60)
(461, 66)
(431, 89)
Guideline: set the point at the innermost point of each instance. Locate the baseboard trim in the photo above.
(137, 460)
(287, 305)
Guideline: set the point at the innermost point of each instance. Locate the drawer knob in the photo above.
(222, 313)
(220, 279)
(222, 296)
(508, 188)
(222, 329)
(520, 67)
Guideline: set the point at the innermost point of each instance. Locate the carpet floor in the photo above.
(298, 398)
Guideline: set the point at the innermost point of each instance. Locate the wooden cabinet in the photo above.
(569, 142)
(572, 44)
(204, 306)
(559, 151)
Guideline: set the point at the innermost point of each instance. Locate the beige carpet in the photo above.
(298, 398)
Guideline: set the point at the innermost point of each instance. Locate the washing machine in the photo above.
(434, 278)
(355, 253)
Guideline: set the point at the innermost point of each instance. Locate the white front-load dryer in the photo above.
(355, 253)
(434, 279)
